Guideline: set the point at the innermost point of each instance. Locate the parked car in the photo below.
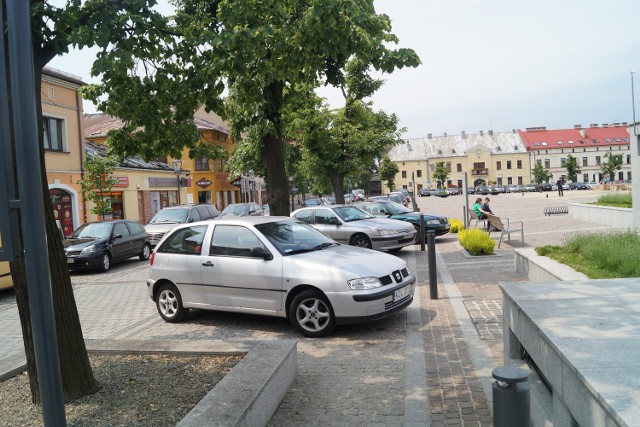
(329, 200)
(348, 198)
(97, 245)
(169, 217)
(482, 189)
(496, 189)
(375, 198)
(350, 225)
(530, 188)
(545, 186)
(583, 186)
(454, 191)
(358, 193)
(275, 266)
(312, 202)
(439, 224)
(399, 197)
(403, 191)
(243, 209)
(441, 193)
(513, 188)
(424, 192)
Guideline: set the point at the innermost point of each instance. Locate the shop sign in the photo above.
(203, 183)
(123, 181)
(236, 182)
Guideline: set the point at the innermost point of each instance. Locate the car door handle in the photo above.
(207, 264)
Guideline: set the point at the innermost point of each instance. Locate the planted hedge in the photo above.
(476, 241)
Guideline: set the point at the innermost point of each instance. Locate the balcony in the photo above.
(480, 171)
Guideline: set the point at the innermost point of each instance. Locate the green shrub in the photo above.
(476, 241)
(456, 225)
(621, 200)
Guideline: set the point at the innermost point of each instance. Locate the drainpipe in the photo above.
(81, 138)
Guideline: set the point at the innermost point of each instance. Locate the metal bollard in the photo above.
(431, 258)
(511, 406)
(421, 234)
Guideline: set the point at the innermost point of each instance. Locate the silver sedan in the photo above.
(275, 266)
(355, 227)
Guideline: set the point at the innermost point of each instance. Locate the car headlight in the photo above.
(89, 250)
(384, 232)
(433, 222)
(364, 283)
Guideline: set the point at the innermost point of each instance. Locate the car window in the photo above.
(135, 227)
(195, 215)
(203, 212)
(234, 240)
(305, 215)
(349, 213)
(324, 216)
(121, 228)
(92, 231)
(292, 237)
(186, 240)
(170, 215)
(213, 211)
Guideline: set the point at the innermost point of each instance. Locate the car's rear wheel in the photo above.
(146, 252)
(105, 262)
(361, 240)
(169, 303)
(311, 314)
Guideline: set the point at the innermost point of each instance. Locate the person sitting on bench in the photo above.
(478, 209)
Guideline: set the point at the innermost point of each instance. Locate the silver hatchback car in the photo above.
(275, 266)
(355, 227)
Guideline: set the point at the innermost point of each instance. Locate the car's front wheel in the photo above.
(146, 252)
(169, 303)
(361, 240)
(104, 264)
(311, 314)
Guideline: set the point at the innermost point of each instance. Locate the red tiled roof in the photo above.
(97, 125)
(542, 139)
(54, 72)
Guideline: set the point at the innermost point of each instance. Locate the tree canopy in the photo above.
(540, 174)
(612, 163)
(573, 169)
(388, 171)
(440, 174)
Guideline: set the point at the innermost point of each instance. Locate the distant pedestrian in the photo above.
(559, 184)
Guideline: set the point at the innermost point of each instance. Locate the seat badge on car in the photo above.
(398, 276)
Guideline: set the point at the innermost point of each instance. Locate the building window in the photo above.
(220, 165)
(499, 180)
(53, 134)
(620, 176)
(508, 164)
(598, 160)
(519, 164)
(585, 162)
(498, 165)
(539, 162)
(419, 173)
(562, 161)
(585, 177)
(202, 164)
(509, 180)
(629, 175)
(519, 180)
(628, 159)
(459, 167)
(404, 174)
(448, 166)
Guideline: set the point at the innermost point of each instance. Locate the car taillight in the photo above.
(153, 255)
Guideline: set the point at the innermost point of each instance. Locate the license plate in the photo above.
(70, 260)
(401, 293)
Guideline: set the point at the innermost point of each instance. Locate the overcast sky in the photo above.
(499, 64)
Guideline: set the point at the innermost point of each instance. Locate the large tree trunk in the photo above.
(77, 376)
(273, 152)
(337, 182)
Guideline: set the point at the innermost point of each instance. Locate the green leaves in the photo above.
(98, 181)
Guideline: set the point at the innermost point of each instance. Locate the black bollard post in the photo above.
(421, 235)
(433, 277)
(511, 407)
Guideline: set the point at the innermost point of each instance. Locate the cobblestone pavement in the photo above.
(430, 364)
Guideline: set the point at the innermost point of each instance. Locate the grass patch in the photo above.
(599, 255)
(617, 200)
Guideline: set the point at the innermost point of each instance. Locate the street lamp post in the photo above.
(291, 189)
(177, 167)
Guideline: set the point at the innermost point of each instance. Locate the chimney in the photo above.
(490, 132)
(464, 135)
(429, 136)
(577, 126)
(481, 133)
(445, 134)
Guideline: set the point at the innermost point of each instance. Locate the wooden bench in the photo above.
(505, 227)
(553, 210)
(474, 216)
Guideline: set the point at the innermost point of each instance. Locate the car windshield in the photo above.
(293, 237)
(170, 215)
(91, 231)
(349, 213)
(395, 208)
(236, 209)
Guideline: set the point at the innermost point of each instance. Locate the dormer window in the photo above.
(559, 142)
(570, 141)
(536, 144)
(607, 140)
(544, 143)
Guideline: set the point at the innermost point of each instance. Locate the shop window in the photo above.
(202, 164)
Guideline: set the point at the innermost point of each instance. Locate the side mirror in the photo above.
(117, 236)
(335, 221)
(260, 252)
